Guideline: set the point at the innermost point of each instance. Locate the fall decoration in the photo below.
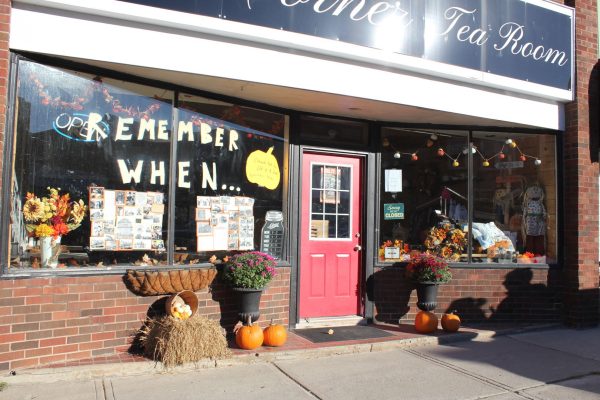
(403, 248)
(182, 305)
(428, 268)
(426, 322)
(275, 335)
(152, 283)
(78, 102)
(262, 169)
(175, 342)
(446, 241)
(250, 270)
(455, 163)
(450, 322)
(249, 337)
(54, 215)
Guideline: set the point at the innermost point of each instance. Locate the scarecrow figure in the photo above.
(534, 220)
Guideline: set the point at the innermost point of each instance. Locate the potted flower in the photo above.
(249, 273)
(49, 218)
(427, 272)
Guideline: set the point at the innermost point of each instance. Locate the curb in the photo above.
(99, 371)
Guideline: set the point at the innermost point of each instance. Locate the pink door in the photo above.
(330, 255)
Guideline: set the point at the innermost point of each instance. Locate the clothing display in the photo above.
(534, 219)
(488, 234)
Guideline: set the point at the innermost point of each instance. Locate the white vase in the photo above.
(49, 251)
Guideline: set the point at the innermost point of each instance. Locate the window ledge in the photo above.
(111, 270)
(478, 265)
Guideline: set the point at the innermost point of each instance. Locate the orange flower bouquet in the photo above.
(446, 242)
(52, 216)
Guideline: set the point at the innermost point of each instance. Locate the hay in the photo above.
(175, 342)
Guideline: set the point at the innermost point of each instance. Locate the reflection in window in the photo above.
(424, 205)
(514, 216)
(424, 194)
(108, 144)
(100, 141)
(330, 205)
(233, 159)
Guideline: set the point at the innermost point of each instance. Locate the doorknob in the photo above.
(358, 247)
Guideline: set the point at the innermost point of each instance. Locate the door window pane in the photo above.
(329, 197)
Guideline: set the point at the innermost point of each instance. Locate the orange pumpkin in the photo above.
(249, 337)
(275, 335)
(450, 322)
(426, 322)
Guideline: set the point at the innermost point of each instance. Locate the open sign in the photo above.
(81, 127)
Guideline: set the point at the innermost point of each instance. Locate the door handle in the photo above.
(358, 247)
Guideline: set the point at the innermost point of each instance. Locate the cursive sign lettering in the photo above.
(511, 33)
(375, 14)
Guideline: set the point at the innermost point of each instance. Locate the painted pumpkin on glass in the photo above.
(262, 168)
(275, 335)
(426, 322)
(249, 337)
(450, 322)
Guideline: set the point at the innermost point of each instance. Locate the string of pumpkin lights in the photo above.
(501, 155)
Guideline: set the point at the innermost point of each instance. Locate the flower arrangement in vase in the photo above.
(49, 218)
(427, 272)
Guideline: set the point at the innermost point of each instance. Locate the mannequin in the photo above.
(534, 220)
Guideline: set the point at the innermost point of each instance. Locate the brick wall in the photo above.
(50, 320)
(478, 295)
(581, 177)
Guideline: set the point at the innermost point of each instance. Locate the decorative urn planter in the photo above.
(427, 295)
(249, 303)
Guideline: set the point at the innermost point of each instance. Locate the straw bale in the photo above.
(175, 342)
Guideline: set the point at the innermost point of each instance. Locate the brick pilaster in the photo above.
(5, 7)
(581, 178)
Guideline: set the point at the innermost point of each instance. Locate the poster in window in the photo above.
(125, 220)
(330, 182)
(224, 223)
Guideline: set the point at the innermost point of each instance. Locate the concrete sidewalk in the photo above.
(549, 364)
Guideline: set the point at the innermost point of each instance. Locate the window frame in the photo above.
(470, 193)
(8, 272)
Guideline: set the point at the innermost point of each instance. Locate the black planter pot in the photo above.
(249, 301)
(427, 295)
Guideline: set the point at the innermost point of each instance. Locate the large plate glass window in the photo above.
(514, 198)
(90, 170)
(230, 179)
(423, 194)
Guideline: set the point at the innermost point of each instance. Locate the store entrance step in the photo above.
(321, 322)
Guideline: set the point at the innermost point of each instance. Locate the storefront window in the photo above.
(97, 140)
(514, 189)
(423, 194)
(92, 170)
(231, 178)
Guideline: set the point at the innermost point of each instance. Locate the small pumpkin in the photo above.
(450, 322)
(426, 322)
(275, 335)
(249, 337)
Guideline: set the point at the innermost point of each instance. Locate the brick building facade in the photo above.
(56, 318)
